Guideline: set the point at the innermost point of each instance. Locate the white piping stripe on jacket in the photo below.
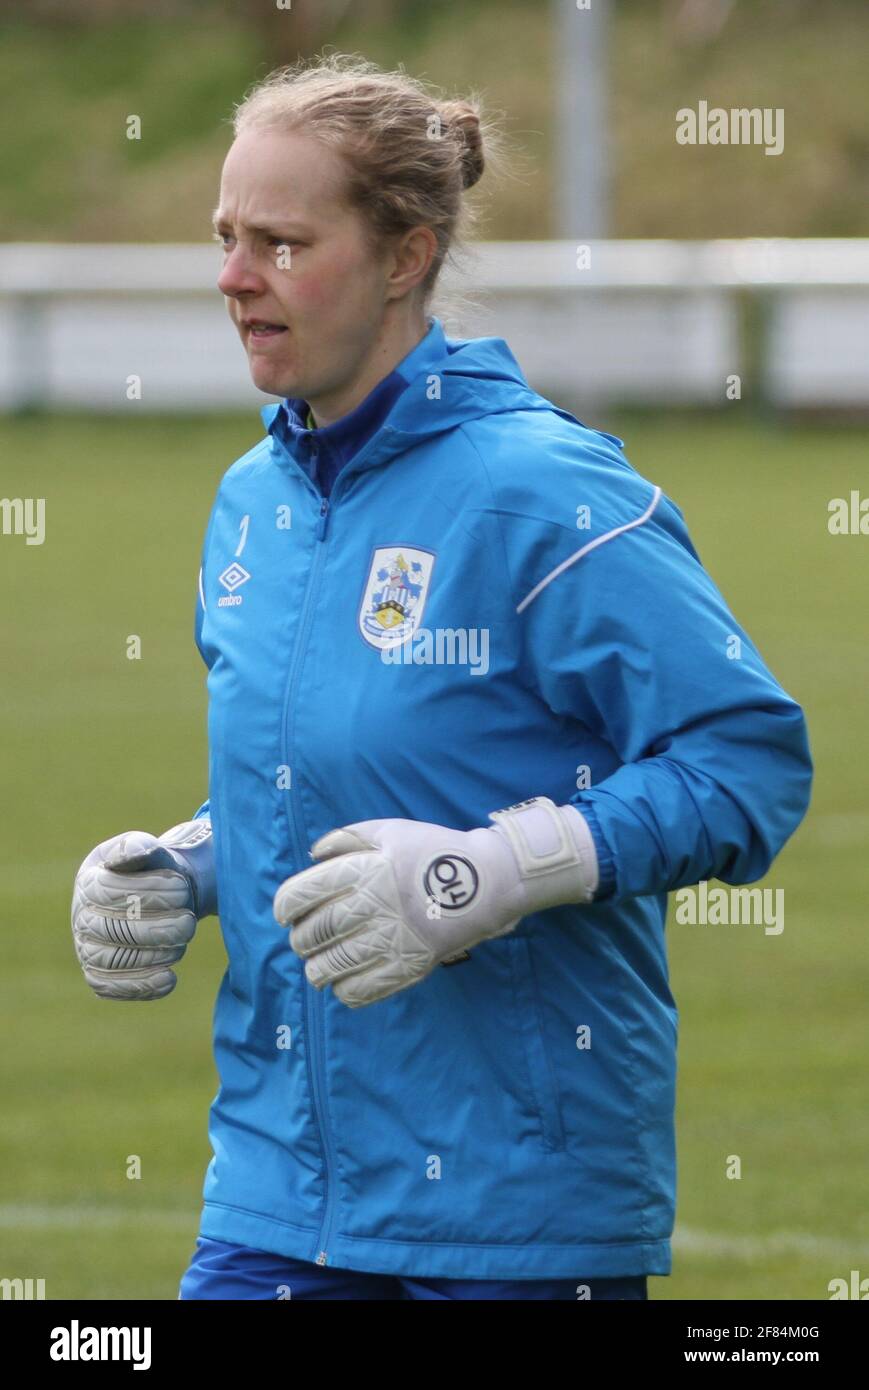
(584, 550)
(201, 594)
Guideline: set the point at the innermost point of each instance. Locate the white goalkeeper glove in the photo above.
(135, 905)
(390, 899)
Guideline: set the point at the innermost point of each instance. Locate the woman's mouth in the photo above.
(260, 329)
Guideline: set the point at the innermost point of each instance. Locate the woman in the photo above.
(467, 661)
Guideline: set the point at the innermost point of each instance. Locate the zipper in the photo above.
(313, 1004)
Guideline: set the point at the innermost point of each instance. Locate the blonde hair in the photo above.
(409, 154)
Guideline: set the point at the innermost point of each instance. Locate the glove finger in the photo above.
(339, 918)
(313, 887)
(131, 984)
(383, 979)
(381, 946)
(120, 959)
(161, 890)
(136, 851)
(134, 840)
(344, 840)
(343, 958)
(169, 929)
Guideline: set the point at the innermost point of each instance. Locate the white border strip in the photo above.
(33, 1217)
(201, 593)
(592, 545)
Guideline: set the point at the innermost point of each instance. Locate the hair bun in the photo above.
(464, 120)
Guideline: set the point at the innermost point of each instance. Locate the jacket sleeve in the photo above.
(705, 758)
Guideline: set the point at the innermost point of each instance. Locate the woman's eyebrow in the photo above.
(275, 228)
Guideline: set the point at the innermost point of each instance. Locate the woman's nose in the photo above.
(237, 276)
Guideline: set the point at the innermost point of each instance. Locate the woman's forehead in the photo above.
(275, 174)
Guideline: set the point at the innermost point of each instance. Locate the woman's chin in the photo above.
(267, 377)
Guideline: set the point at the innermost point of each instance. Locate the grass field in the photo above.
(773, 1039)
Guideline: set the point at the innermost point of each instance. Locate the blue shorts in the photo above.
(223, 1271)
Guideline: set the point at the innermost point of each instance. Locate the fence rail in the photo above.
(647, 322)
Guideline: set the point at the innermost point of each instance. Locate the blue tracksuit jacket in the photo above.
(511, 1116)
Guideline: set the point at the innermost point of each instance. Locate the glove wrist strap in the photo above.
(554, 850)
(191, 844)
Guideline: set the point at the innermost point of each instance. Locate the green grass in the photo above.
(773, 1034)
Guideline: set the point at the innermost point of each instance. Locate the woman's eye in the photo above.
(225, 239)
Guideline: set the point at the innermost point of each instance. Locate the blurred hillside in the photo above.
(71, 73)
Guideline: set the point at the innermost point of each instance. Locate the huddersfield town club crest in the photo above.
(394, 595)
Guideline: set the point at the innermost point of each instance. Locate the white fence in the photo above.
(645, 322)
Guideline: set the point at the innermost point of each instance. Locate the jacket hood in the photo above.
(475, 377)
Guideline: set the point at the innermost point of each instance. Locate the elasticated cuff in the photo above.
(605, 863)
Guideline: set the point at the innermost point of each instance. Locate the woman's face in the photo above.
(301, 284)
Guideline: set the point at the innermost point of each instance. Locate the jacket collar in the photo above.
(449, 381)
(291, 414)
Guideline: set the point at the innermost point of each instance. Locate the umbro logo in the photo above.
(232, 578)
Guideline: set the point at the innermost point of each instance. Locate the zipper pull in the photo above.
(324, 518)
(321, 1258)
